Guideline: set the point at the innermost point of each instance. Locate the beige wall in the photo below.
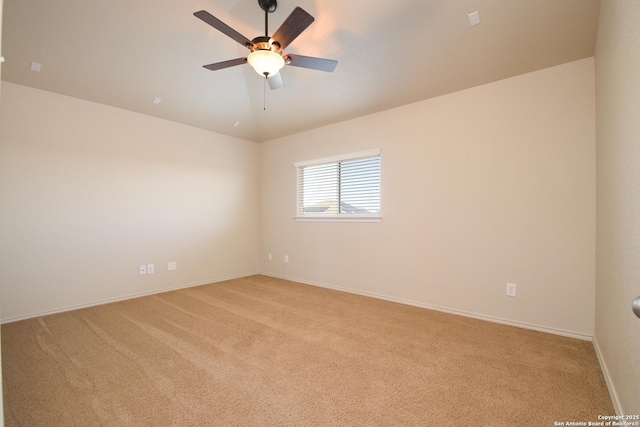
(617, 330)
(90, 192)
(482, 187)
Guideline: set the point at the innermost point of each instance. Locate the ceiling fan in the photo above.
(266, 52)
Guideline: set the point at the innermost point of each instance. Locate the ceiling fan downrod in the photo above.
(269, 6)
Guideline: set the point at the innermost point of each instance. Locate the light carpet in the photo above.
(261, 351)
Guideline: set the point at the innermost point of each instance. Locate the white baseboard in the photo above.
(554, 331)
(123, 298)
(607, 378)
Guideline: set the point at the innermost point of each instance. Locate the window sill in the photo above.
(341, 218)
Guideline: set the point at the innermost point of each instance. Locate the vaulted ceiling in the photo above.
(127, 53)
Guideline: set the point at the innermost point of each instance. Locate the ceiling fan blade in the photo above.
(223, 28)
(275, 81)
(225, 64)
(292, 27)
(320, 64)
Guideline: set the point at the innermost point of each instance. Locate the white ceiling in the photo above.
(125, 53)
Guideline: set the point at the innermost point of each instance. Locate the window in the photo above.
(340, 188)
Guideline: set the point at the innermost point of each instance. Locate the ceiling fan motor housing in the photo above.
(265, 43)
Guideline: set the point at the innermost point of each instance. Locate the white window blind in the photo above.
(340, 188)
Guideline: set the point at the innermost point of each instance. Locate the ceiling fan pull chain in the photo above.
(264, 93)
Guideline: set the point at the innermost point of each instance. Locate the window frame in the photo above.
(340, 217)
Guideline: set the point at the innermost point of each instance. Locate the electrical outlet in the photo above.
(143, 269)
(286, 259)
(151, 268)
(511, 289)
(172, 266)
(270, 257)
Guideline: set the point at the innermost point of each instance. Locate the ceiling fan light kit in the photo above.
(266, 52)
(265, 62)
